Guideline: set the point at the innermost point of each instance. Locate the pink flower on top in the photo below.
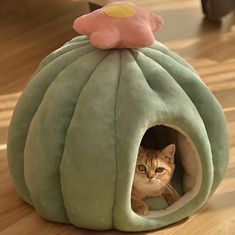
(119, 25)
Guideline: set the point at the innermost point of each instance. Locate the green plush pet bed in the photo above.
(76, 130)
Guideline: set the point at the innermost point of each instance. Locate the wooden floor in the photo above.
(29, 30)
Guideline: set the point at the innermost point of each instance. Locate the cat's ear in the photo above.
(141, 150)
(169, 152)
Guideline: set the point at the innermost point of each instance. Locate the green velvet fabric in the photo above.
(75, 132)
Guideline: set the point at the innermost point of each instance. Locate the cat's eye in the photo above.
(141, 167)
(159, 169)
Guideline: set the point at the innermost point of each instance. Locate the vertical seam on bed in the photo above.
(115, 140)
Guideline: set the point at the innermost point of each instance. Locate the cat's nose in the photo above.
(150, 176)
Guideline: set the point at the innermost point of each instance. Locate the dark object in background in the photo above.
(216, 9)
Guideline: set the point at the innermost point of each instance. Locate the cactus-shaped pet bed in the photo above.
(76, 130)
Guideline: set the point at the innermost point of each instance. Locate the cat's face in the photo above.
(154, 167)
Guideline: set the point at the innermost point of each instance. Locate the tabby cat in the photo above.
(154, 170)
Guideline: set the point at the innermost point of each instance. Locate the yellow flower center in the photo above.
(120, 11)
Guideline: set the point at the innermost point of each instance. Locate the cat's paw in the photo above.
(141, 209)
(172, 198)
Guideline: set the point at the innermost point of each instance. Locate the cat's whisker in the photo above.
(167, 186)
(160, 188)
